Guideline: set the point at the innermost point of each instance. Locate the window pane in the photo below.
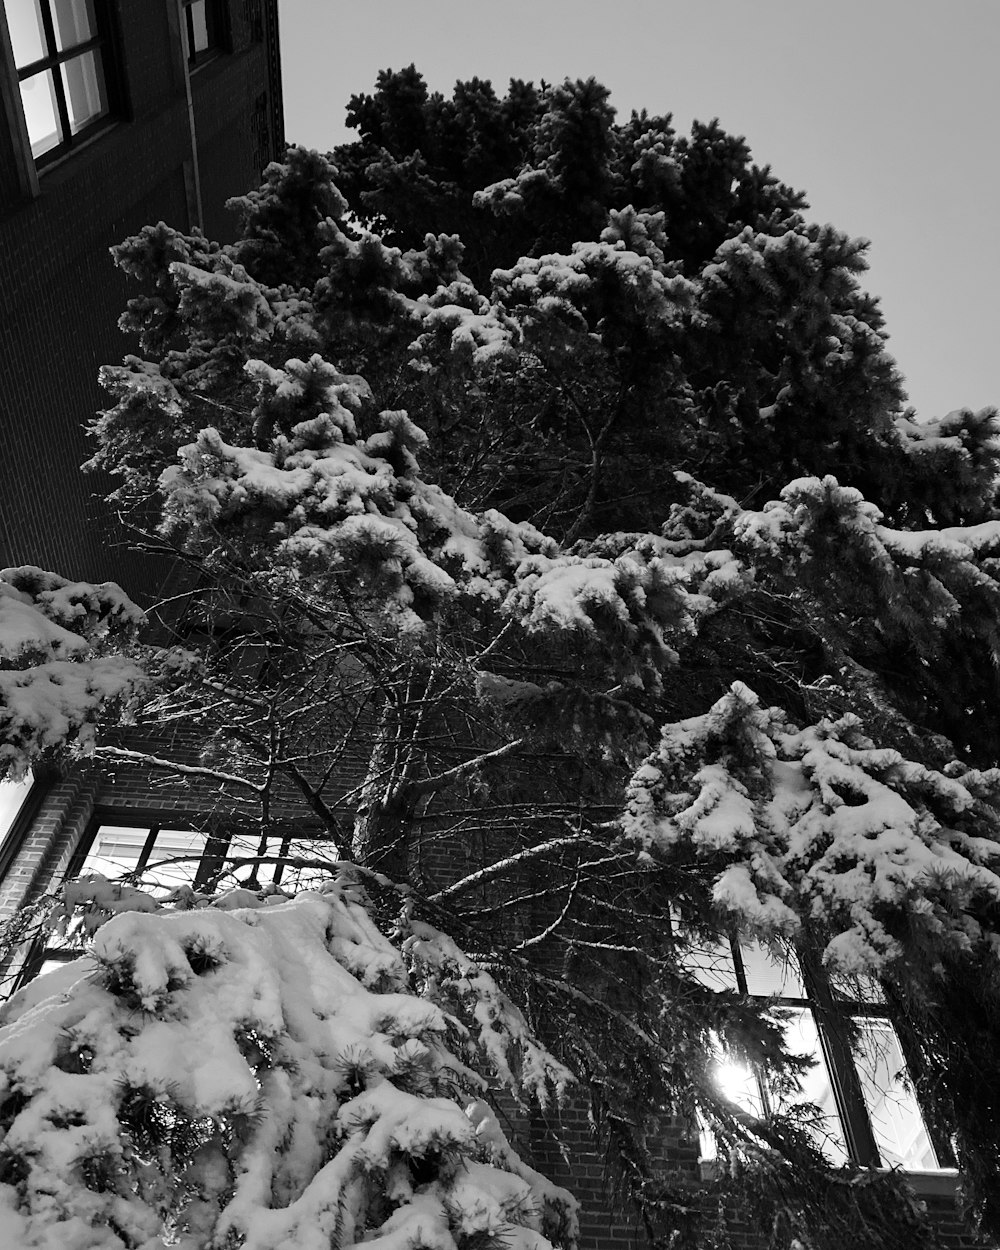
(12, 795)
(770, 973)
(115, 850)
(198, 28)
(41, 114)
(51, 964)
(186, 847)
(86, 98)
(248, 847)
(74, 22)
(857, 990)
(288, 876)
(896, 1121)
(24, 21)
(294, 878)
(802, 1038)
(710, 963)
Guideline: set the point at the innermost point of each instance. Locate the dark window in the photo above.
(204, 29)
(64, 58)
(868, 1112)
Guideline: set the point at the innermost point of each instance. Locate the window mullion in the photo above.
(49, 30)
(213, 859)
(52, 59)
(835, 1040)
(78, 49)
(147, 849)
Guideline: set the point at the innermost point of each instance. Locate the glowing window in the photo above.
(866, 1109)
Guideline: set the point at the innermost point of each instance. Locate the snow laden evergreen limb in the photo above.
(62, 662)
(818, 829)
(817, 838)
(698, 326)
(954, 465)
(254, 1074)
(335, 507)
(922, 602)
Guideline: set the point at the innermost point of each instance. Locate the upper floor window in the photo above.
(203, 29)
(63, 56)
(867, 1112)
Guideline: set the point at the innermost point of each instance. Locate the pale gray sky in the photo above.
(884, 111)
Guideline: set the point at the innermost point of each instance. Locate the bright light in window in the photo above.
(737, 1083)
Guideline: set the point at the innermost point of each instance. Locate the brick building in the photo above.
(114, 115)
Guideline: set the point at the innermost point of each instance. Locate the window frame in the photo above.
(105, 40)
(217, 29)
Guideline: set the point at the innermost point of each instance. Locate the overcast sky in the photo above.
(883, 111)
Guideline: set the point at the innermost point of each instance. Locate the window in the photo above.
(204, 32)
(867, 1112)
(12, 797)
(63, 57)
(170, 857)
(162, 857)
(166, 857)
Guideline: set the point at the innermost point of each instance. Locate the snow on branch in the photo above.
(59, 666)
(263, 1076)
(818, 826)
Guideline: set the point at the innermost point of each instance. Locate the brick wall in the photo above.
(61, 297)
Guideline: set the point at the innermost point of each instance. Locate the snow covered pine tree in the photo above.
(493, 512)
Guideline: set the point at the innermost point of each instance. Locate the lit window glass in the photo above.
(815, 1086)
(198, 39)
(115, 850)
(74, 22)
(294, 878)
(41, 113)
(287, 876)
(895, 1116)
(770, 973)
(738, 1082)
(86, 97)
(857, 990)
(169, 861)
(63, 58)
(24, 20)
(185, 849)
(709, 963)
(12, 796)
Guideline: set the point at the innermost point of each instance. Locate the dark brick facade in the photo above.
(60, 295)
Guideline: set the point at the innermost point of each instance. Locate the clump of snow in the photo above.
(818, 824)
(58, 667)
(281, 1077)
